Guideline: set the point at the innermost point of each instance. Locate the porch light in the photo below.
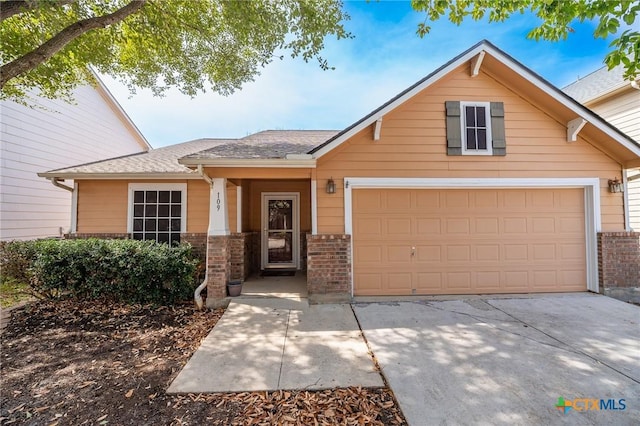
(615, 185)
(331, 186)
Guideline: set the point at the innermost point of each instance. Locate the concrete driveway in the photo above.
(508, 360)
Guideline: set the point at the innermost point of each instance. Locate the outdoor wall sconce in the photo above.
(331, 186)
(615, 185)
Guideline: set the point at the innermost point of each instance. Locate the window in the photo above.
(157, 212)
(475, 128)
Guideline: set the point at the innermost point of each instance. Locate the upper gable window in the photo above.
(476, 128)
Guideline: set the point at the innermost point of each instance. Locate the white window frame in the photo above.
(463, 128)
(182, 187)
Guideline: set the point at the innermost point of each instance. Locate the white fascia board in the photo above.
(251, 162)
(380, 113)
(119, 176)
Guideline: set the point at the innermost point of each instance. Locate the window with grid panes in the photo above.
(157, 215)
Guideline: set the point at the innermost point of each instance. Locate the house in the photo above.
(480, 178)
(50, 134)
(616, 100)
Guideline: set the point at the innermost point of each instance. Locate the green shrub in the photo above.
(123, 270)
(16, 258)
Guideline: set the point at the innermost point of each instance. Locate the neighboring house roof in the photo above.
(599, 83)
(505, 63)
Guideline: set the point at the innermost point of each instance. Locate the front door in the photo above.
(280, 235)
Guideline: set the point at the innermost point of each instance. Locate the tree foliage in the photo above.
(557, 17)
(193, 45)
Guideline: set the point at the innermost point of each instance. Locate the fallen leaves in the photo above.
(119, 360)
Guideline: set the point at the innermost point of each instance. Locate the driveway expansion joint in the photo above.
(284, 345)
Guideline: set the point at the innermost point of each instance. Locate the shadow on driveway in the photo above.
(507, 361)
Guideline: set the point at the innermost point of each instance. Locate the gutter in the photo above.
(197, 298)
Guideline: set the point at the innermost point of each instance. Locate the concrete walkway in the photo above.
(270, 343)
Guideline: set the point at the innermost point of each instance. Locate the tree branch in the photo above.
(52, 46)
(14, 7)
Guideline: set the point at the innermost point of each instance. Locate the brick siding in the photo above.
(198, 242)
(619, 259)
(219, 271)
(329, 268)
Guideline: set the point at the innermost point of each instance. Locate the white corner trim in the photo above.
(239, 209)
(573, 128)
(476, 63)
(591, 186)
(314, 207)
(74, 209)
(157, 187)
(377, 129)
(218, 209)
(625, 200)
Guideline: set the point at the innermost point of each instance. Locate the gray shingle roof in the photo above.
(160, 160)
(596, 84)
(266, 144)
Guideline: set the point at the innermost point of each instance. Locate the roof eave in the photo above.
(249, 162)
(119, 176)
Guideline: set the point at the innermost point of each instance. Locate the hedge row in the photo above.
(123, 270)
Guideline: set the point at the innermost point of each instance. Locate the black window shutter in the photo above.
(497, 128)
(454, 137)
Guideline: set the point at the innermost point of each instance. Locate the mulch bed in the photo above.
(71, 362)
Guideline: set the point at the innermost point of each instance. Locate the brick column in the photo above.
(619, 265)
(218, 270)
(237, 248)
(329, 268)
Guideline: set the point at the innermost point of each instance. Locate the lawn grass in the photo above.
(13, 292)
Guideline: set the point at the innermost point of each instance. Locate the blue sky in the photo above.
(385, 57)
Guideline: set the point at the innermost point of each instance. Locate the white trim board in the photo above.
(591, 188)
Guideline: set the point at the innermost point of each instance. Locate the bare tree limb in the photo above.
(14, 7)
(52, 46)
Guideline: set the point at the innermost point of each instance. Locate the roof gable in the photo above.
(503, 63)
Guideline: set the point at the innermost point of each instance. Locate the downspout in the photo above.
(197, 298)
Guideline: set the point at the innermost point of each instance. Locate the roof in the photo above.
(160, 161)
(597, 84)
(301, 148)
(163, 162)
(269, 144)
(501, 61)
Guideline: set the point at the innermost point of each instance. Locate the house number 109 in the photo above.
(218, 202)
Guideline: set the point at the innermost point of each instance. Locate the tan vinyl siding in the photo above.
(413, 144)
(622, 110)
(103, 205)
(197, 206)
(232, 202)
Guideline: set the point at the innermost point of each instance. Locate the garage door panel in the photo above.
(469, 241)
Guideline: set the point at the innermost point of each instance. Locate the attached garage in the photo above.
(468, 241)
